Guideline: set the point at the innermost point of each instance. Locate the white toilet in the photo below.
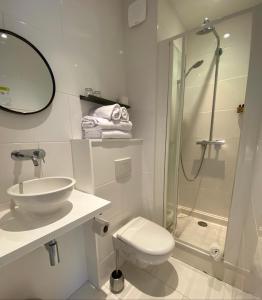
(144, 242)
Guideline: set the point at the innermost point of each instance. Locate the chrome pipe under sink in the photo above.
(53, 251)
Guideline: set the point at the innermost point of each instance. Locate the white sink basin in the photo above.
(42, 195)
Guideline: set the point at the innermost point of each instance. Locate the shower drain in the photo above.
(202, 223)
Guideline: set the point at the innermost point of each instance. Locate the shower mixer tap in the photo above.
(207, 142)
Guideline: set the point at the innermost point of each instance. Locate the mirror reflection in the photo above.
(26, 81)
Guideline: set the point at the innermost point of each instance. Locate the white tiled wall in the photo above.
(141, 60)
(212, 191)
(125, 194)
(141, 71)
(168, 22)
(84, 44)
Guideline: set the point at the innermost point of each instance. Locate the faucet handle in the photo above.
(40, 154)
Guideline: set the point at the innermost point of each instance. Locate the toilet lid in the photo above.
(147, 236)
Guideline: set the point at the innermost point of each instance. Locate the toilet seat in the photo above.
(146, 238)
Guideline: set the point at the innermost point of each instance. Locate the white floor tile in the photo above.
(234, 293)
(127, 289)
(175, 274)
(146, 286)
(89, 292)
(172, 280)
(194, 284)
(163, 293)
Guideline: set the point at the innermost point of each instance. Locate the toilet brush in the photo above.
(117, 280)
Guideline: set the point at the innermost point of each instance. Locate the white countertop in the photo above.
(21, 233)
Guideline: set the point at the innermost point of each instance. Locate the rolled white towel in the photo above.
(104, 124)
(116, 134)
(216, 252)
(124, 114)
(88, 122)
(109, 112)
(92, 134)
(105, 134)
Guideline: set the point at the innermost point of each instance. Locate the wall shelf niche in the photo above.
(101, 101)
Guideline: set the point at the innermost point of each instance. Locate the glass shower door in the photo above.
(175, 113)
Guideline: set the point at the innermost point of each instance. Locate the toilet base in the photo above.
(139, 259)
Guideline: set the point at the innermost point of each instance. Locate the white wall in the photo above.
(141, 61)
(94, 161)
(124, 193)
(212, 191)
(168, 23)
(83, 42)
(141, 70)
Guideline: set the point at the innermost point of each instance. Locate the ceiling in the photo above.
(192, 12)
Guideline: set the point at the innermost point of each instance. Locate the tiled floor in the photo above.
(172, 280)
(188, 231)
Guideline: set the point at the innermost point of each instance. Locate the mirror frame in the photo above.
(47, 65)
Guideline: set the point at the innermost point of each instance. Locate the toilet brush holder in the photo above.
(117, 281)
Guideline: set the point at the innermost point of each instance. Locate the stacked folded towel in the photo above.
(111, 121)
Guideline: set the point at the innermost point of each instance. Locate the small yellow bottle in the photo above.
(5, 99)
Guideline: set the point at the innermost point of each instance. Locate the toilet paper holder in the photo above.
(100, 225)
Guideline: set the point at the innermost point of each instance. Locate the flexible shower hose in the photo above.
(200, 165)
(194, 177)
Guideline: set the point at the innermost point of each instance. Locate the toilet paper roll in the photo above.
(100, 226)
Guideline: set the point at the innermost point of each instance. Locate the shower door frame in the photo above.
(179, 108)
(164, 59)
(238, 206)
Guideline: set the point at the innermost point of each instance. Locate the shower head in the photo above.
(194, 66)
(198, 64)
(208, 27)
(205, 30)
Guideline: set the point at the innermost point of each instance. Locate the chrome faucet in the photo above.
(36, 155)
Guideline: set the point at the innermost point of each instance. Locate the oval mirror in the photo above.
(27, 83)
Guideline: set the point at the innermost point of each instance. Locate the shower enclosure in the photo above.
(208, 76)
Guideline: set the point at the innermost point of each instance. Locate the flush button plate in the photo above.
(123, 168)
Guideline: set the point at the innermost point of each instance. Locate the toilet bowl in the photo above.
(144, 242)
